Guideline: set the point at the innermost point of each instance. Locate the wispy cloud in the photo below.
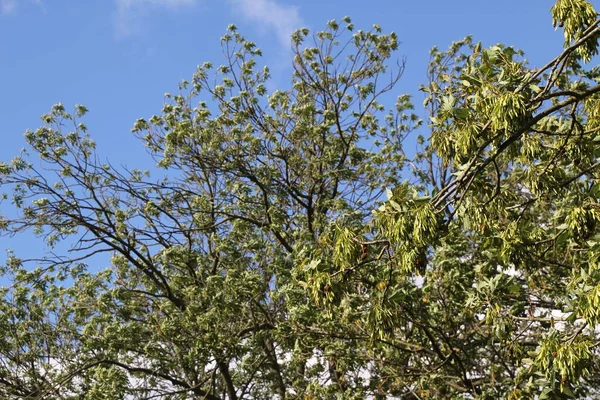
(282, 19)
(129, 14)
(10, 6)
(267, 14)
(7, 6)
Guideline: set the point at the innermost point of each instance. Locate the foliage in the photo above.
(285, 254)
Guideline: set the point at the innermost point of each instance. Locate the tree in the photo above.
(285, 252)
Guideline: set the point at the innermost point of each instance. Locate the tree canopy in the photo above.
(296, 249)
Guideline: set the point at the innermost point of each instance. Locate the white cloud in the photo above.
(129, 13)
(268, 15)
(282, 19)
(7, 6)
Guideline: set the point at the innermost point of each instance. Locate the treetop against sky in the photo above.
(119, 57)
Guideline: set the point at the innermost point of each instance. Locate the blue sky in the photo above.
(119, 57)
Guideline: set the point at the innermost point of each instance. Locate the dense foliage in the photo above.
(295, 250)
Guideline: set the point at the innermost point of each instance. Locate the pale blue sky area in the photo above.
(119, 57)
